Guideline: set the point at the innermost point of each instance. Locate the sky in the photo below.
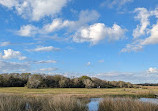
(107, 39)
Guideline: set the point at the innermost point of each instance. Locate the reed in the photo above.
(125, 104)
(19, 103)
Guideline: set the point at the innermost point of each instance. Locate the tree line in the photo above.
(58, 81)
(148, 84)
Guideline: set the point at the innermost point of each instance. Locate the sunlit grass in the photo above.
(125, 104)
(79, 91)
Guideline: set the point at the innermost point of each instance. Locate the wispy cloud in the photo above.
(48, 69)
(101, 61)
(145, 33)
(5, 44)
(115, 3)
(6, 67)
(44, 49)
(45, 61)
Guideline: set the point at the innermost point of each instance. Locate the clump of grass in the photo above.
(19, 103)
(148, 94)
(64, 104)
(125, 104)
(12, 103)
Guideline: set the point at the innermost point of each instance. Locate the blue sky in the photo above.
(108, 39)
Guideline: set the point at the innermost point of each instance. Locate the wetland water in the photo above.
(94, 102)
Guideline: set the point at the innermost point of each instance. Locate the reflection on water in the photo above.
(94, 104)
(151, 100)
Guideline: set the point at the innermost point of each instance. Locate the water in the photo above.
(151, 100)
(93, 105)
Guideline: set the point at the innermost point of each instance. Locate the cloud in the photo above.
(10, 54)
(55, 25)
(143, 17)
(88, 63)
(6, 67)
(115, 3)
(27, 31)
(135, 46)
(85, 17)
(145, 33)
(152, 70)
(48, 69)
(135, 77)
(35, 9)
(153, 38)
(101, 61)
(97, 32)
(45, 49)
(45, 62)
(9, 3)
(5, 44)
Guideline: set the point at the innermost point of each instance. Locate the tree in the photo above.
(36, 81)
(77, 83)
(88, 83)
(64, 83)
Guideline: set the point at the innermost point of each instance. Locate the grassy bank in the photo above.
(125, 104)
(80, 92)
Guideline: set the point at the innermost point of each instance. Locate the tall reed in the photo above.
(19, 103)
(126, 104)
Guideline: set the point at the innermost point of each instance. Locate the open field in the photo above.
(80, 92)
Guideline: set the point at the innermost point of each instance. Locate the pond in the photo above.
(94, 102)
(151, 100)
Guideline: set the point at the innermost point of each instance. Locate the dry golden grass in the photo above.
(79, 92)
(59, 103)
(126, 104)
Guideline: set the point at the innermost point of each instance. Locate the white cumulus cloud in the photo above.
(153, 38)
(35, 9)
(97, 32)
(27, 31)
(85, 17)
(11, 54)
(152, 70)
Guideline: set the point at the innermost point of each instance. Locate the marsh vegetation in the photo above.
(67, 103)
(20, 103)
(126, 104)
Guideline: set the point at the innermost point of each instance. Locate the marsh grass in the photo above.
(64, 104)
(19, 103)
(80, 92)
(125, 104)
